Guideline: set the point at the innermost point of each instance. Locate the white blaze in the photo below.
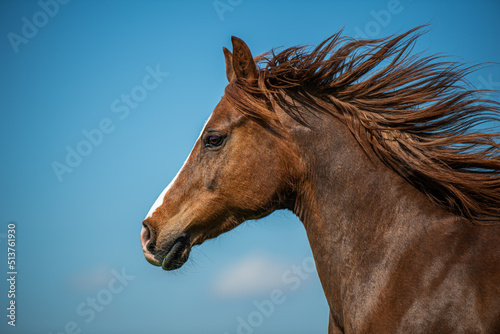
(159, 200)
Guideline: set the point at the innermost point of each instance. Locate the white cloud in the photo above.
(257, 274)
(91, 279)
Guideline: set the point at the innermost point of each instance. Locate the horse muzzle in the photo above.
(170, 255)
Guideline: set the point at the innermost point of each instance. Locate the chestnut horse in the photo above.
(378, 153)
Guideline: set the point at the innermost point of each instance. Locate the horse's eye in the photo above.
(213, 141)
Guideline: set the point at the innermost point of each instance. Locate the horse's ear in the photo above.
(243, 63)
(228, 56)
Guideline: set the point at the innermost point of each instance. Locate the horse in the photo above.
(377, 151)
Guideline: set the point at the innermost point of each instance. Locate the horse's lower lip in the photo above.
(177, 255)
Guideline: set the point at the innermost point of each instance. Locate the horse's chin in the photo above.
(177, 255)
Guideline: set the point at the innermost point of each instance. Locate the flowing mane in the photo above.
(417, 113)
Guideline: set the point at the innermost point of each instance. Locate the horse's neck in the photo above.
(359, 215)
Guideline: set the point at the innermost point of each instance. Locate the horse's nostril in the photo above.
(145, 236)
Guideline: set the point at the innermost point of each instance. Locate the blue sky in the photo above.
(80, 263)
